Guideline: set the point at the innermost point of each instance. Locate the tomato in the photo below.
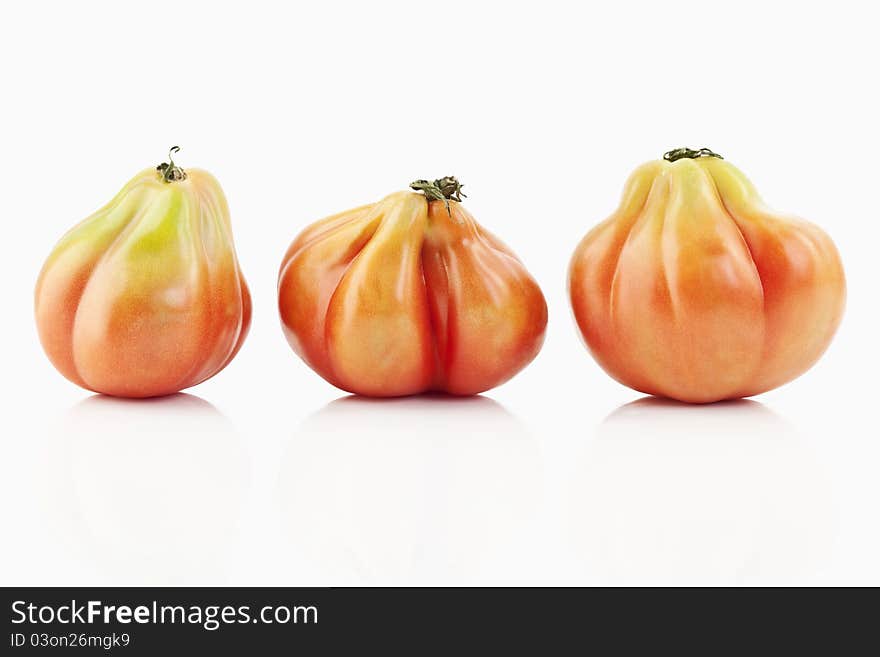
(695, 290)
(145, 297)
(409, 295)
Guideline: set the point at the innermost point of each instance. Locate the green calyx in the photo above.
(443, 189)
(170, 171)
(690, 153)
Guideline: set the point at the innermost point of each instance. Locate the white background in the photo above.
(266, 475)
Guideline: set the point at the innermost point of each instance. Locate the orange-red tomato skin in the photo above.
(402, 297)
(695, 290)
(145, 298)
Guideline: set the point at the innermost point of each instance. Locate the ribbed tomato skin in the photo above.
(403, 297)
(695, 290)
(145, 297)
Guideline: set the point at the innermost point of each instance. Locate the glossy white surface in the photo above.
(266, 475)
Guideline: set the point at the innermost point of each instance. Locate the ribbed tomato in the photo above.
(409, 295)
(145, 297)
(695, 290)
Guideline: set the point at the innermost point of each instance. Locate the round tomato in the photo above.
(695, 290)
(409, 295)
(145, 297)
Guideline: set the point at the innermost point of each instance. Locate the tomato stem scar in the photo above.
(170, 171)
(684, 152)
(443, 189)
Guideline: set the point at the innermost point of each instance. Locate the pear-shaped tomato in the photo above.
(695, 290)
(409, 295)
(145, 297)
